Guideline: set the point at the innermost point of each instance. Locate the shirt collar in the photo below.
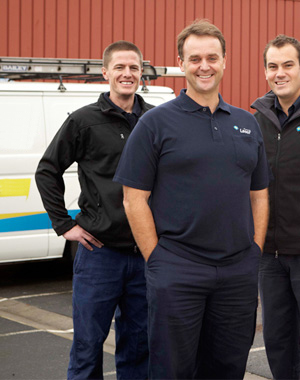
(189, 105)
(294, 107)
(136, 107)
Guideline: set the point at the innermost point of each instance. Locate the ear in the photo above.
(180, 63)
(225, 60)
(104, 73)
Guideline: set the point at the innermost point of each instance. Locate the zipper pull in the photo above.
(279, 137)
(122, 136)
(276, 254)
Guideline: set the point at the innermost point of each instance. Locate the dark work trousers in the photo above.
(279, 282)
(106, 281)
(201, 318)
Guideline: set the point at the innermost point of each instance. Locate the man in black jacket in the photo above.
(278, 113)
(108, 268)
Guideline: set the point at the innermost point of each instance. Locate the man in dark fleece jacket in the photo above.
(278, 113)
(108, 268)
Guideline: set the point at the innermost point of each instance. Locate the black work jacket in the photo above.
(93, 136)
(283, 151)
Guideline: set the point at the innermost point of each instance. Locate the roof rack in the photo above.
(19, 68)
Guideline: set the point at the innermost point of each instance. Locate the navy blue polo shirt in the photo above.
(200, 168)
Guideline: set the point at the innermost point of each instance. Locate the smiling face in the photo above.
(123, 74)
(283, 73)
(203, 64)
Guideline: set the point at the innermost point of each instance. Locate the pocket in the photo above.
(79, 258)
(152, 254)
(246, 152)
(258, 248)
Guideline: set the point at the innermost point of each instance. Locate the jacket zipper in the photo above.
(276, 190)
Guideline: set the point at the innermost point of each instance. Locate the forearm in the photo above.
(260, 211)
(140, 220)
(51, 190)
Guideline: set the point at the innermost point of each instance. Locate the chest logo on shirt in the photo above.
(298, 129)
(242, 130)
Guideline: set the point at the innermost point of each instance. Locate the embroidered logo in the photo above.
(298, 129)
(243, 130)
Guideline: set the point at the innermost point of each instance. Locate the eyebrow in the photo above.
(199, 56)
(284, 63)
(122, 64)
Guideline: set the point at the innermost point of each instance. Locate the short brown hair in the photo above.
(200, 28)
(120, 46)
(280, 41)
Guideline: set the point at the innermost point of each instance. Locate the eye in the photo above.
(195, 60)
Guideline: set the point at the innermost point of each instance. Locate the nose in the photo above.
(280, 72)
(127, 71)
(204, 65)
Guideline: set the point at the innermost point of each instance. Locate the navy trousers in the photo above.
(279, 280)
(201, 318)
(106, 281)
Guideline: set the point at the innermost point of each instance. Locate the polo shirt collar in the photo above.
(189, 105)
(136, 106)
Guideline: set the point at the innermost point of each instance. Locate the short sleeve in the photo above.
(138, 163)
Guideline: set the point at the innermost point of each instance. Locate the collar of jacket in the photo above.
(266, 105)
(106, 107)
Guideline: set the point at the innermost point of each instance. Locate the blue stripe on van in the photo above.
(29, 222)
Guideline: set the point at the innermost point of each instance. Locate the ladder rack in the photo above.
(19, 68)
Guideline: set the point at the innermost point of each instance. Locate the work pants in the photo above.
(279, 280)
(106, 281)
(201, 317)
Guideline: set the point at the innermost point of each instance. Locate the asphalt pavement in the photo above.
(36, 325)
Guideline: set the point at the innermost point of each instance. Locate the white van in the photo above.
(30, 115)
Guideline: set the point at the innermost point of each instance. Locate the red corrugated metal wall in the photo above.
(83, 28)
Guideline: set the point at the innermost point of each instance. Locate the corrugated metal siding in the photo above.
(83, 28)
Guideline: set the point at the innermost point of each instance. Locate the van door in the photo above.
(23, 221)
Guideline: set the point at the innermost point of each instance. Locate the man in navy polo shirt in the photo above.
(195, 179)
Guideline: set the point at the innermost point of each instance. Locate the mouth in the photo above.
(205, 76)
(126, 83)
(281, 83)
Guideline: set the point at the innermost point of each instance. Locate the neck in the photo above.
(124, 102)
(205, 100)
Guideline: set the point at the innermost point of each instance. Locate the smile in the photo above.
(280, 83)
(126, 82)
(205, 76)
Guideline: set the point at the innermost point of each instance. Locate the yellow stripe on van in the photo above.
(15, 187)
(18, 214)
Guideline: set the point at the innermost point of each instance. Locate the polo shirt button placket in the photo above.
(217, 136)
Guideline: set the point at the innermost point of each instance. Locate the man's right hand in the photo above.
(77, 233)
